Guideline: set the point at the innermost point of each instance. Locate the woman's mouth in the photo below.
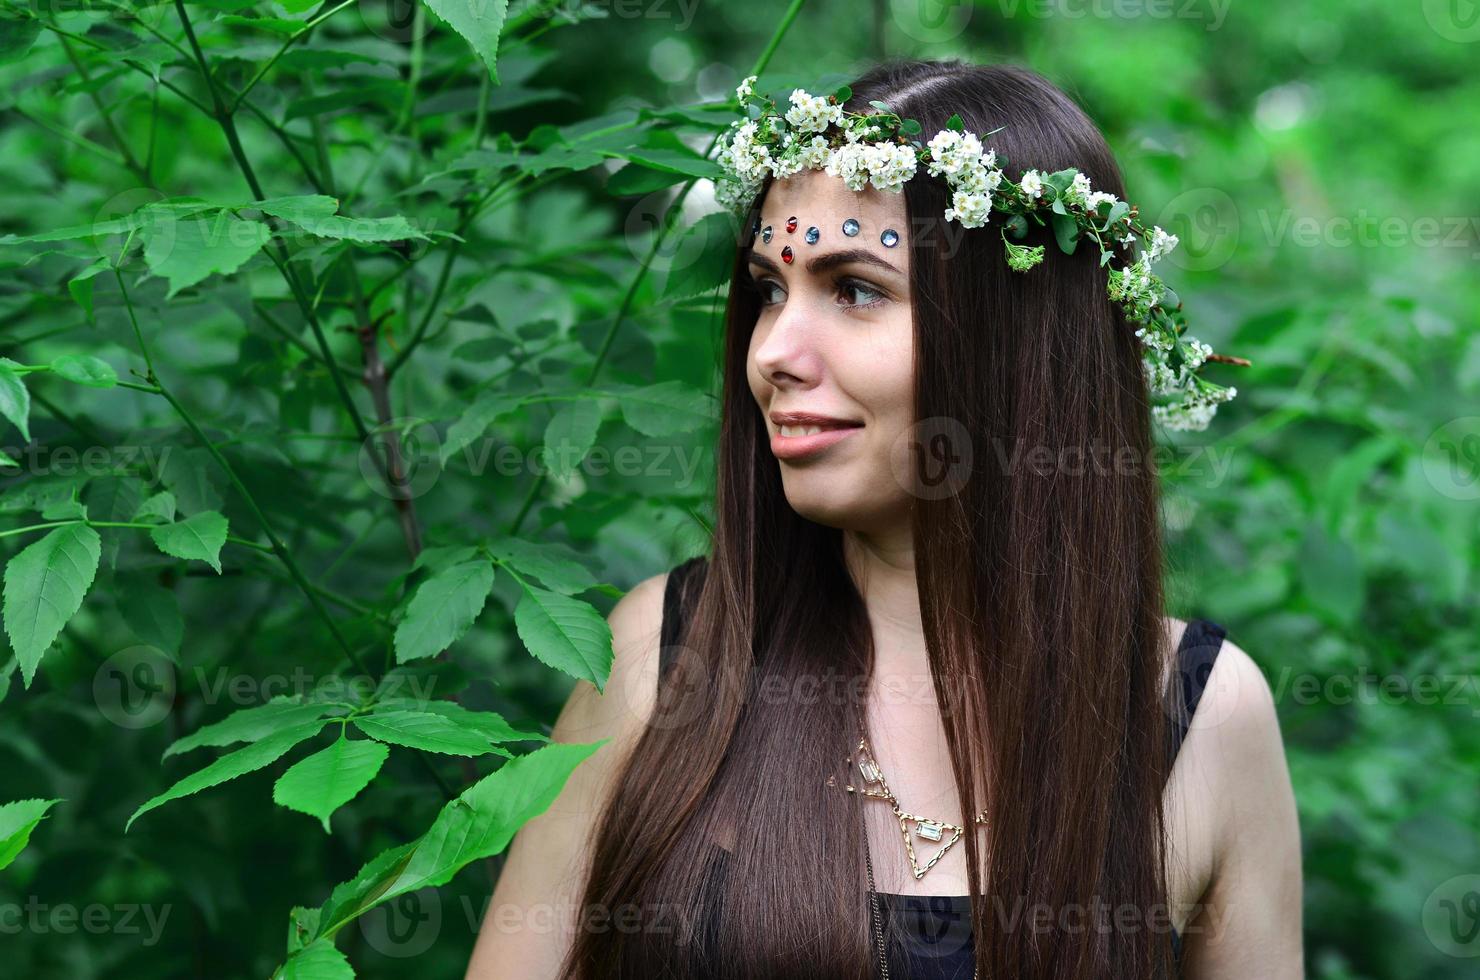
(795, 441)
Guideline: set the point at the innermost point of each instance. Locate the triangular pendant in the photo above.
(926, 829)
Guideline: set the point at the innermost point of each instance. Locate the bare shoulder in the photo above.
(1249, 920)
(530, 921)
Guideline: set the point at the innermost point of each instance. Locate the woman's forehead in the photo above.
(818, 192)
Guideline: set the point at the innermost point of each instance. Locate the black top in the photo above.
(930, 936)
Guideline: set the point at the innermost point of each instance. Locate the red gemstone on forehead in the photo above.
(786, 254)
(791, 223)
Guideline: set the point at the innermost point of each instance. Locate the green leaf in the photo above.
(197, 538)
(486, 409)
(568, 634)
(84, 369)
(672, 156)
(15, 400)
(252, 724)
(44, 587)
(478, 824)
(81, 285)
(233, 764)
(303, 925)
(570, 434)
(17, 34)
(330, 778)
(318, 961)
(280, 26)
(480, 22)
(665, 409)
(635, 180)
(423, 730)
(442, 610)
(490, 724)
(1065, 232)
(314, 213)
(160, 507)
(703, 258)
(189, 250)
(17, 820)
(557, 566)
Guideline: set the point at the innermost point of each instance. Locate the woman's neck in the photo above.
(883, 566)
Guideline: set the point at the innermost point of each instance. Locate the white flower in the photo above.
(1161, 243)
(848, 162)
(785, 166)
(1032, 184)
(746, 158)
(1096, 198)
(812, 114)
(890, 165)
(971, 209)
(1078, 191)
(746, 88)
(952, 151)
(814, 154)
(734, 195)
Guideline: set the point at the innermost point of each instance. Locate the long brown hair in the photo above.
(1041, 598)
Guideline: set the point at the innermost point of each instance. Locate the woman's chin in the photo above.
(835, 499)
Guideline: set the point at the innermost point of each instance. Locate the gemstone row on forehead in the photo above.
(889, 237)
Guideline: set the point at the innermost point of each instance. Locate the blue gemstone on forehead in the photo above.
(850, 227)
(890, 238)
(812, 235)
(766, 235)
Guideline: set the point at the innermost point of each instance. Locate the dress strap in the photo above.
(679, 593)
(1196, 654)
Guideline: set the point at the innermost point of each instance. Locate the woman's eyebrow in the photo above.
(827, 261)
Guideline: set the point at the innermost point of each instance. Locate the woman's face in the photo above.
(831, 360)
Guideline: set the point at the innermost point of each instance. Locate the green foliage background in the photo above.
(470, 244)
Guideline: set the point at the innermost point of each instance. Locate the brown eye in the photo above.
(762, 288)
(857, 287)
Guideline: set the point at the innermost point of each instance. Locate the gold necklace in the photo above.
(927, 828)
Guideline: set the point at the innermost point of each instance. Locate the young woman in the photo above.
(927, 657)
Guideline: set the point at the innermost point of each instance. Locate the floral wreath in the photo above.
(862, 148)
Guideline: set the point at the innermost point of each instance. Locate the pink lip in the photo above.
(796, 447)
